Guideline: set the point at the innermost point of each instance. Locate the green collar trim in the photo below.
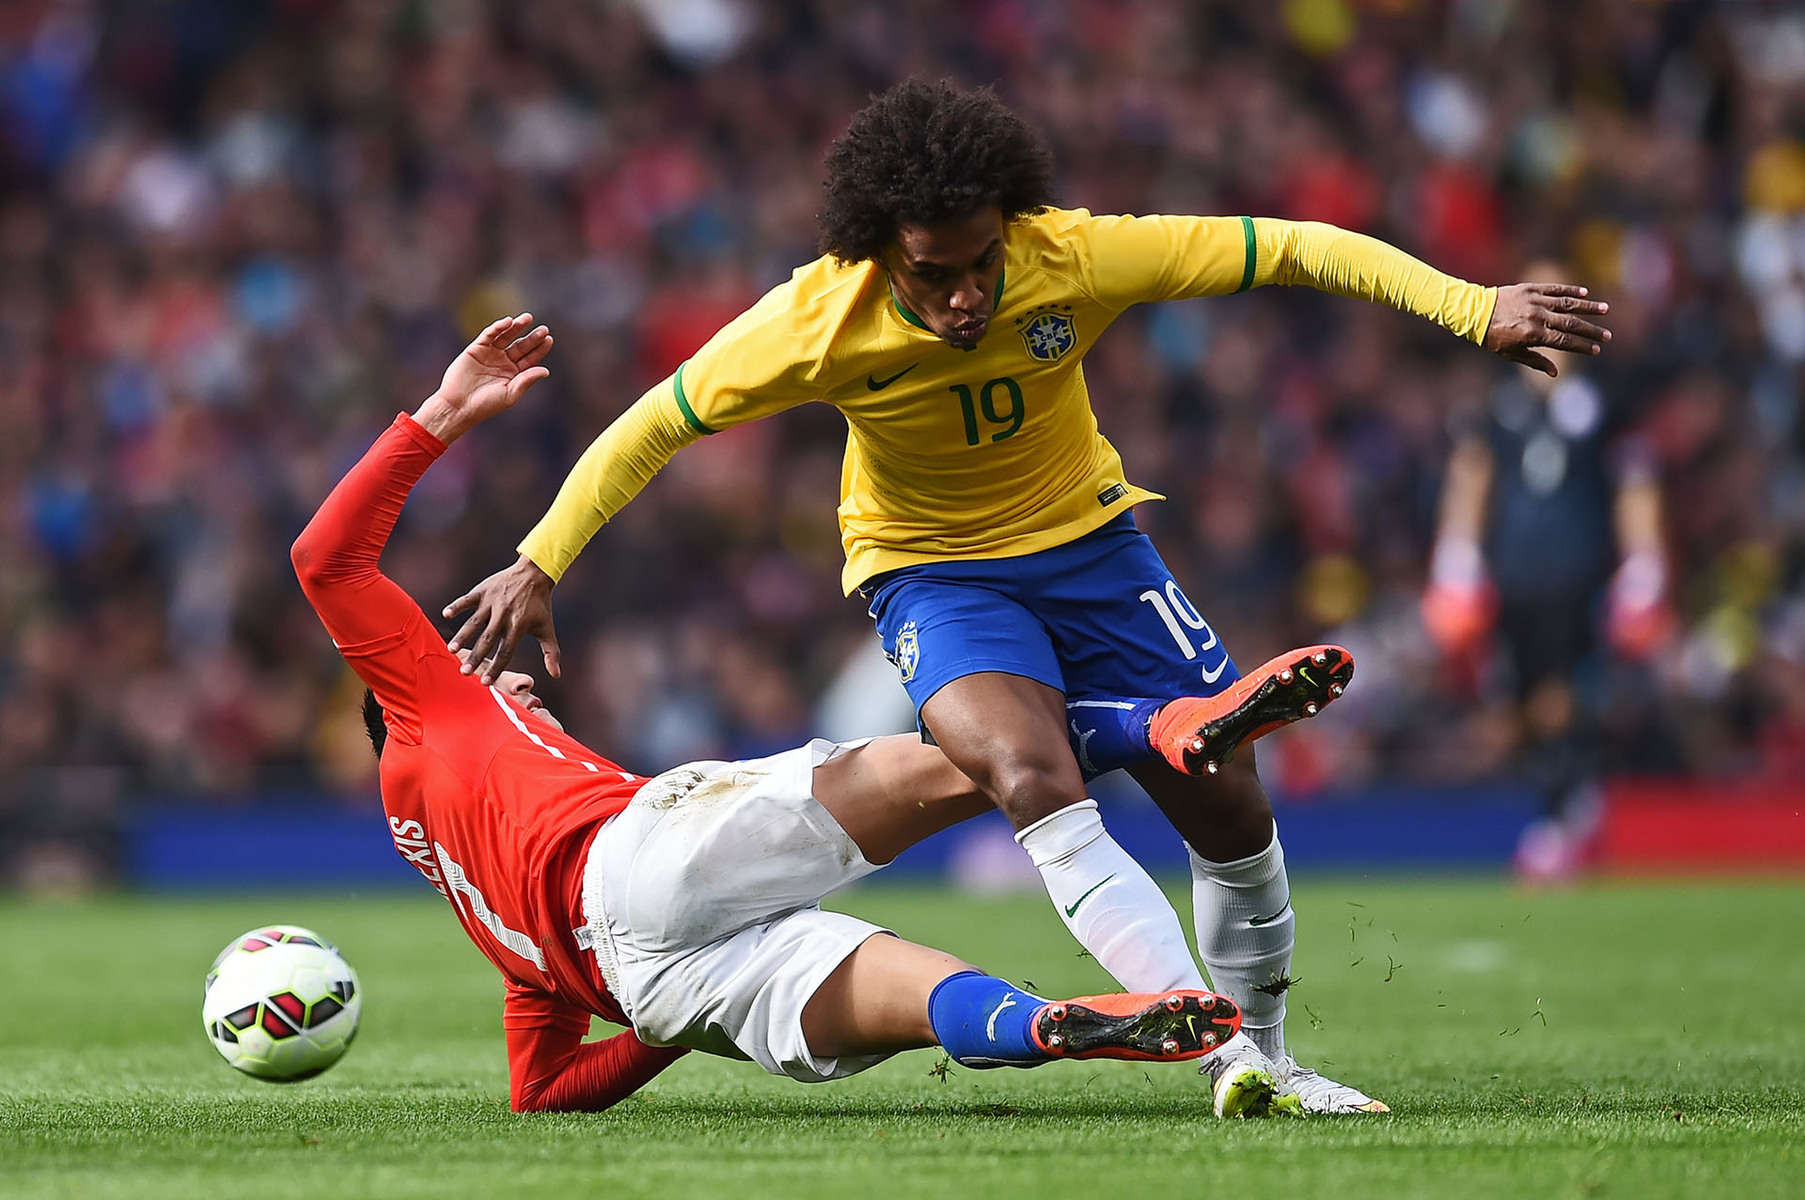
(905, 314)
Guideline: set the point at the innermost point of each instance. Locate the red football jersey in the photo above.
(494, 806)
(497, 809)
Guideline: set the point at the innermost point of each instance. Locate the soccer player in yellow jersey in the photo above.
(988, 523)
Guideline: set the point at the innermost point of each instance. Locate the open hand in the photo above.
(490, 376)
(1553, 316)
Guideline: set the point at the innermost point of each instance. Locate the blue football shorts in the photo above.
(1099, 618)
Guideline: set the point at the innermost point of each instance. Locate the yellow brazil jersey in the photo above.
(981, 453)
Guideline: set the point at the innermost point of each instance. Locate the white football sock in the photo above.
(1109, 903)
(1240, 954)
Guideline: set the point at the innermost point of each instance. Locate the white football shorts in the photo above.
(702, 899)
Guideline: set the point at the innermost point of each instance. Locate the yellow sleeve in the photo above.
(760, 363)
(1129, 260)
(617, 464)
(1343, 263)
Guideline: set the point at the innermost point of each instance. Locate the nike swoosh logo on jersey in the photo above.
(1210, 676)
(1256, 922)
(990, 1026)
(878, 385)
(1072, 908)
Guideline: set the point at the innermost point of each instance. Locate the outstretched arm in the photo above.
(610, 473)
(552, 1069)
(1133, 259)
(1513, 321)
(760, 363)
(517, 600)
(1343, 263)
(336, 558)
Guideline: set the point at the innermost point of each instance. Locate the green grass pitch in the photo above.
(1634, 1041)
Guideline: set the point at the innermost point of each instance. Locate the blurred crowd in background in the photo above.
(236, 238)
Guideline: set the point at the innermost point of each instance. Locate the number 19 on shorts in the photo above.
(1181, 621)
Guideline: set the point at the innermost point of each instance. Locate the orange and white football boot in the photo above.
(1197, 734)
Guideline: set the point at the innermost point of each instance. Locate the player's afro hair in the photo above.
(379, 733)
(923, 153)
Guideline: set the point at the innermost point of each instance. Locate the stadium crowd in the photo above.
(235, 239)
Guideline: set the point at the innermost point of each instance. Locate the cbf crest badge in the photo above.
(1048, 333)
(908, 651)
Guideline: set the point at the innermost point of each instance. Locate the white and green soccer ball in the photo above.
(281, 1003)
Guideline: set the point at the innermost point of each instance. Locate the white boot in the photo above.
(1319, 1094)
(1246, 1083)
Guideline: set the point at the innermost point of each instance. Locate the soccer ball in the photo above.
(281, 1004)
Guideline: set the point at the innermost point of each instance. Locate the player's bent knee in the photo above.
(1026, 789)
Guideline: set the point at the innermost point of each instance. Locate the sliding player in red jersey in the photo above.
(686, 905)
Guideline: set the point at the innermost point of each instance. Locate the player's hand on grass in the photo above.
(1550, 316)
(490, 376)
(511, 602)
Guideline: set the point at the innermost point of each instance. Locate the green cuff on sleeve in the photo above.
(689, 414)
(1252, 257)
